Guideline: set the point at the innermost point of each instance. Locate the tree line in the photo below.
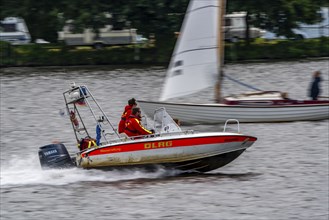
(160, 17)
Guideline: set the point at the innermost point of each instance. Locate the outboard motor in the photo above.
(55, 156)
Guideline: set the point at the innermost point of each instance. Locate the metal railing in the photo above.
(229, 120)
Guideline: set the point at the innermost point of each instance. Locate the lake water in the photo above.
(284, 175)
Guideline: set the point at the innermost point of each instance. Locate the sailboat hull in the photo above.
(219, 113)
(201, 152)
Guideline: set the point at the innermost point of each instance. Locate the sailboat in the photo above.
(197, 63)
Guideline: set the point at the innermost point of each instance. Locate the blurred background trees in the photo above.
(279, 16)
(160, 17)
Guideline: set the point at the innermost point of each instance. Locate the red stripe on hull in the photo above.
(183, 142)
(276, 103)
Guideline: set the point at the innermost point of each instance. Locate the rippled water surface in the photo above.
(284, 175)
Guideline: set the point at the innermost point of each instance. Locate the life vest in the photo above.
(134, 127)
(87, 143)
(124, 116)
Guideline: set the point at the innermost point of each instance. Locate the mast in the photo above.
(220, 56)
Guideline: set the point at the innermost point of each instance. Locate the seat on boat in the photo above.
(164, 123)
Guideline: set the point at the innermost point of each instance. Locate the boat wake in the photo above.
(17, 172)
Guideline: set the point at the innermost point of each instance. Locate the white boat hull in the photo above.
(219, 113)
(201, 152)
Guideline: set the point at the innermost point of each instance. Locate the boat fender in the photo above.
(98, 134)
(74, 119)
(55, 156)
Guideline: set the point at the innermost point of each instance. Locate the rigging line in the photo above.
(196, 49)
(241, 83)
(203, 7)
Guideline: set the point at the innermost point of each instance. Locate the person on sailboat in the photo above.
(315, 87)
(126, 113)
(134, 126)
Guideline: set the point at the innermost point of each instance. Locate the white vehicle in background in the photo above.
(106, 36)
(306, 31)
(14, 31)
(235, 27)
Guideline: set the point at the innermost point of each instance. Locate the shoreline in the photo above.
(160, 55)
(143, 65)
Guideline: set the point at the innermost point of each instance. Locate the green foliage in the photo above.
(280, 16)
(158, 16)
(7, 54)
(61, 55)
(161, 17)
(53, 55)
(277, 50)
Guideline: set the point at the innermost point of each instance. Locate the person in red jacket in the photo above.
(126, 113)
(133, 124)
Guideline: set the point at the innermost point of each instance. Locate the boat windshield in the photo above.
(163, 123)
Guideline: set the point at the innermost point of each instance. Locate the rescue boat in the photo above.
(169, 147)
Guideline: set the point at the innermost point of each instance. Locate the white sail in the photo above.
(194, 64)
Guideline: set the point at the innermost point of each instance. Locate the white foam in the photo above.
(19, 172)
